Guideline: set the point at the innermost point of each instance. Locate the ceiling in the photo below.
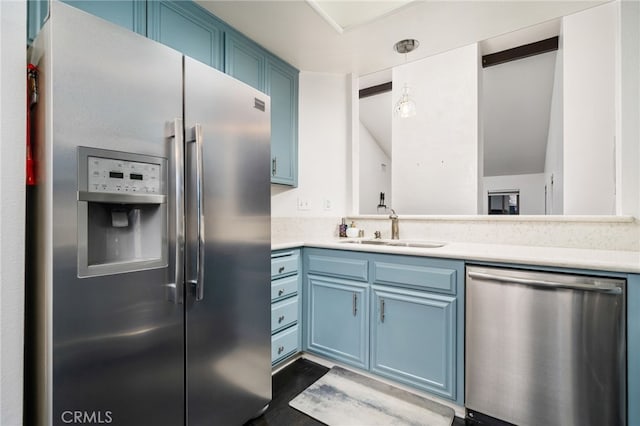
(516, 105)
(297, 33)
(347, 15)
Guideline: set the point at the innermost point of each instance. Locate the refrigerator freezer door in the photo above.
(113, 344)
(228, 210)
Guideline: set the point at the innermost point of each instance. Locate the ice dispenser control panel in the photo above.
(115, 175)
(122, 212)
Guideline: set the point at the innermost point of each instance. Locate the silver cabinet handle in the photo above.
(280, 349)
(199, 281)
(281, 292)
(602, 288)
(355, 304)
(176, 289)
(280, 319)
(281, 269)
(381, 310)
(274, 166)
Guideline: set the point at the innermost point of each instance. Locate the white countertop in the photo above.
(603, 260)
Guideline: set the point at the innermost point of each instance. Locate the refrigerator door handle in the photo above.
(199, 281)
(175, 290)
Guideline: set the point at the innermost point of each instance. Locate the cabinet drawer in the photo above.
(284, 287)
(282, 266)
(284, 313)
(355, 269)
(418, 276)
(284, 344)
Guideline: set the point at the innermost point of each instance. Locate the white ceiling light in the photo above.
(405, 107)
(346, 15)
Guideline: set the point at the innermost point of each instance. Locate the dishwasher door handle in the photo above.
(597, 287)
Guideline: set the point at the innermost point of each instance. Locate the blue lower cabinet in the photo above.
(413, 338)
(284, 344)
(633, 349)
(286, 308)
(338, 320)
(411, 327)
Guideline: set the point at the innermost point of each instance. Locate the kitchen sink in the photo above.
(397, 243)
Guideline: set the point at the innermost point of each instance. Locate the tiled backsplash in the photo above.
(605, 233)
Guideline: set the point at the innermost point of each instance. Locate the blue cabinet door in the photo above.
(130, 14)
(188, 28)
(244, 60)
(37, 11)
(413, 339)
(282, 86)
(337, 320)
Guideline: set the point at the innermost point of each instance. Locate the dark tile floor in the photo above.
(288, 383)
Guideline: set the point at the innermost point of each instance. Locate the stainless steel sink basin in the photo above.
(397, 243)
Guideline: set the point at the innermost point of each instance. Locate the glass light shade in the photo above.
(405, 107)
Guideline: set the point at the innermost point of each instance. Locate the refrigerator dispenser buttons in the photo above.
(110, 175)
(122, 212)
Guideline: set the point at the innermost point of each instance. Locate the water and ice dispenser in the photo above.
(122, 212)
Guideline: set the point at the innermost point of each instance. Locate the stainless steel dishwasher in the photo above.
(544, 348)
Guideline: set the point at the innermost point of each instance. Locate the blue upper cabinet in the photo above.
(192, 30)
(282, 87)
(130, 14)
(251, 64)
(37, 11)
(244, 60)
(188, 28)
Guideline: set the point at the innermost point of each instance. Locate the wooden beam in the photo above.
(520, 52)
(374, 90)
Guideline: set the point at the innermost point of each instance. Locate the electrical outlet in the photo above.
(303, 204)
(326, 204)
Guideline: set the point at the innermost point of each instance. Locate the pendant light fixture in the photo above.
(405, 107)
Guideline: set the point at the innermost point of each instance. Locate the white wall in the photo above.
(531, 187)
(629, 146)
(554, 156)
(12, 158)
(438, 148)
(375, 173)
(324, 134)
(589, 110)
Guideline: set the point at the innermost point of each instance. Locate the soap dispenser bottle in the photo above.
(343, 228)
(352, 231)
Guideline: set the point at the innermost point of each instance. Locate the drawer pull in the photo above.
(381, 310)
(281, 292)
(280, 350)
(280, 319)
(281, 270)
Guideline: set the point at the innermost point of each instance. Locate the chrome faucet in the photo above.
(395, 230)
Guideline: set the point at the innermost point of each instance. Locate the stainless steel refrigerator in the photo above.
(149, 239)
